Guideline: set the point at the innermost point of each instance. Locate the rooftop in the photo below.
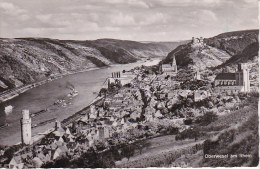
(226, 76)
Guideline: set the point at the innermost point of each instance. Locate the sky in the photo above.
(139, 20)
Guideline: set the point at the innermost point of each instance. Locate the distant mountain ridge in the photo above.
(28, 60)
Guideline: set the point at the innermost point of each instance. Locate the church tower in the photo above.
(242, 77)
(26, 122)
(174, 65)
(173, 61)
(246, 82)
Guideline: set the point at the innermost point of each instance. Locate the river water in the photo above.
(46, 95)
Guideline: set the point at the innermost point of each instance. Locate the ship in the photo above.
(39, 112)
(5, 125)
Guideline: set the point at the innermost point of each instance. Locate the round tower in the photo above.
(26, 123)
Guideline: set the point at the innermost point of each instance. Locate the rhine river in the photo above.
(86, 83)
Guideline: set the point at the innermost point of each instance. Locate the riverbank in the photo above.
(12, 93)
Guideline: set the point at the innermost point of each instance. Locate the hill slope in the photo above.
(233, 42)
(224, 49)
(197, 58)
(28, 60)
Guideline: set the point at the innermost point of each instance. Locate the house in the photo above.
(171, 94)
(158, 114)
(43, 158)
(135, 115)
(200, 95)
(58, 152)
(27, 156)
(149, 117)
(82, 140)
(116, 105)
(160, 105)
(16, 163)
(233, 82)
(37, 162)
(72, 146)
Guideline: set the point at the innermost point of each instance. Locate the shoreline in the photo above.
(12, 93)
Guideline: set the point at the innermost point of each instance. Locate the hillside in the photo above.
(233, 42)
(249, 53)
(197, 58)
(223, 50)
(28, 60)
(234, 133)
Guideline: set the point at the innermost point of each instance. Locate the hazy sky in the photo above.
(141, 20)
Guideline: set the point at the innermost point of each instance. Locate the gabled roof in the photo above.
(37, 162)
(42, 157)
(16, 160)
(226, 76)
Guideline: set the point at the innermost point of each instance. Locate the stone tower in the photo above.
(197, 76)
(246, 82)
(26, 123)
(242, 77)
(57, 125)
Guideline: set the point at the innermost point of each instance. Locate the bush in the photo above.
(206, 119)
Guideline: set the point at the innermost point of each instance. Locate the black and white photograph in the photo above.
(129, 83)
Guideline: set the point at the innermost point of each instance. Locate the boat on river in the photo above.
(5, 125)
(39, 112)
(73, 93)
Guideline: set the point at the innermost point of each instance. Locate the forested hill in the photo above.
(28, 60)
(235, 42)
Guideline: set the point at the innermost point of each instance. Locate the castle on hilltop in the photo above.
(198, 42)
(233, 82)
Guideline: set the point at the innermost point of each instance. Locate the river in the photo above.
(46, 95)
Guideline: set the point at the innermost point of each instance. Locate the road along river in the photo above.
(43, 97)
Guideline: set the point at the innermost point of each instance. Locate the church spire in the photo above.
(173, 61)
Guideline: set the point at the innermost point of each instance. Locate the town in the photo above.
(137, 104)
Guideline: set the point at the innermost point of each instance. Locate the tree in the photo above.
(207, 118)
(9, 153)
(128, 151)
(61, 162)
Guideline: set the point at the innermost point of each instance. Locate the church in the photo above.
(233, 82)
(169, 69)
